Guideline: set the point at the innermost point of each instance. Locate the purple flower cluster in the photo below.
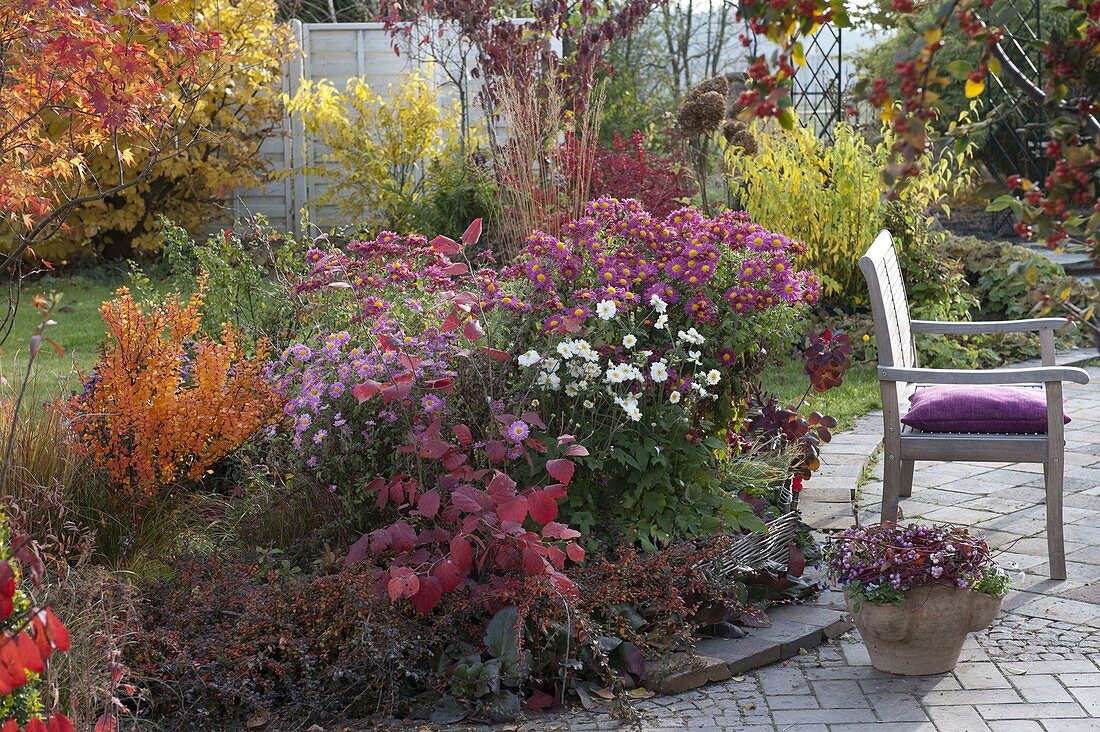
(317, 381)
(906, 557)
(618, 251)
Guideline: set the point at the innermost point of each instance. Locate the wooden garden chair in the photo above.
(899, 376)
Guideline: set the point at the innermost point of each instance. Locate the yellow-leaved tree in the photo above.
(381, 151)
(218, 148)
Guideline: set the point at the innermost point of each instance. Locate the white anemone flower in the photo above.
(658, 371)
(713, 377)
(662, 321)
(529, 359)
(606, 309)
(630, 340)
(674, 397)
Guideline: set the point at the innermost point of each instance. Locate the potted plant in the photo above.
(916, 591)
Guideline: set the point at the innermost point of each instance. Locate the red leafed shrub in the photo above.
(29, 637)
(473, 524)
(628, 170)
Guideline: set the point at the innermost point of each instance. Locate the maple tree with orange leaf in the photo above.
(165, 402)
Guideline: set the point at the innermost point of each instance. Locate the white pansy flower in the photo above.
(630, 340)
(713, 377)
(657, 303)
(554, 382)
(576, 370)
(571, 390)
(582, 384)
(550, 365)
(635, 414)
(566, 349)
(674, 397)
(662, 321)
(530, 358)
(606, 309)
(589, 404)
(584, 349)
(591, 369)
(658, 371)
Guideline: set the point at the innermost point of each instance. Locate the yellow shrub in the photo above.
(218, 150)
(379, 151)
(832, 197)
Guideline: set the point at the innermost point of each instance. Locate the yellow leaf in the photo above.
(995, 65)
(933, 34)
(974, 88)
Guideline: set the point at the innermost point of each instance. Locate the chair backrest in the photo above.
(889, 305)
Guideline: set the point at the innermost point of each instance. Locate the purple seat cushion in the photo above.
(995, 410)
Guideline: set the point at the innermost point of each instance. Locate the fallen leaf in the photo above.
(605, 693)
(640, 693)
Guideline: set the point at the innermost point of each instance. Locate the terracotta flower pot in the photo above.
(925, 633)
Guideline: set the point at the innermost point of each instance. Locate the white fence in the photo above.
(333, 51)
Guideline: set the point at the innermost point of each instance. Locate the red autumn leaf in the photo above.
(463, 434)
(555, 491)
(55, 631)
(449, 574)
(358, 550)
(451, 322)
(554, 530)
(457, 268)
(540, 700)
(403, 583)
(408, 361)
(452, 460)
(495, 451)
(428, 505)
(395, 390)
(533, 563)
(555, 555)
(575, 552)
(26, 653)
(444, 385)
(469, 499)
(566, 439)
(59, 723)
(445, 245)
(429, 594)
(796, 561)
(532, 418)
(403, 537)
(513, 510)
(366, 390)
(472, 331)
(497, 355)
(434, 448)
(501, 486)
(544, 509)
(462, 554)
(576, 451)
(560, 470)
(472, 233)
(535, 444)
(466, 299)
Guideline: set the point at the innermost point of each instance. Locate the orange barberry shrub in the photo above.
(165, 403)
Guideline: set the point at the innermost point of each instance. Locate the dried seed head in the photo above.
(702, 114)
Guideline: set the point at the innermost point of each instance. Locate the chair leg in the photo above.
(1056, 547)
(891, 485)
(906, 488)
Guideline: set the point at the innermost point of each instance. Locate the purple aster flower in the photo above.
(518, 431)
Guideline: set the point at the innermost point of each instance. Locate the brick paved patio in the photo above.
(1037, 668)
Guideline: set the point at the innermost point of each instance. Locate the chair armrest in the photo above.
(1033, 325)
(983, 376)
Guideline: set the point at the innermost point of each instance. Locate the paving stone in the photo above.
(924, 726)
(1031, 711)
(792, 701)
(1015, 725)
(1058, 608)
(822, 716)
(840, 694)
(1089, 698)
(897, 708)
(832, 622)
(980, 676)
(1040, 688)
(957, 718)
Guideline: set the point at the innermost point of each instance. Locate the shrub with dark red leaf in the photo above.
(628, 169)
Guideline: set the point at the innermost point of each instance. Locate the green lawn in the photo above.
(79, 331)
(858, 394)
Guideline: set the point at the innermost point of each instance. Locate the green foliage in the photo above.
(841, 206)
(461, 189)
(995, 583)
(25, 700)
(246, 273)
